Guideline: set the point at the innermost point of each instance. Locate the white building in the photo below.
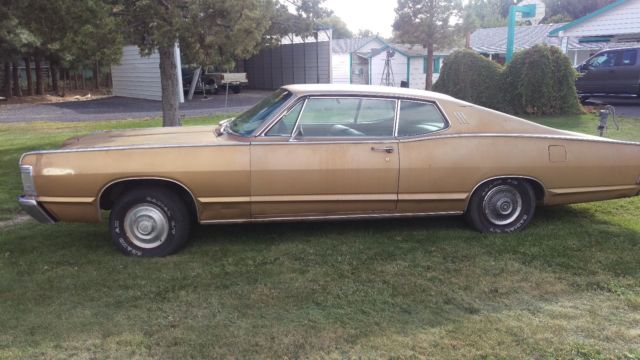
(139, 76)
(615, 25)
(362, 61)
(612, 26)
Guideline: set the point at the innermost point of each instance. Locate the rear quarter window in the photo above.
(419, 118)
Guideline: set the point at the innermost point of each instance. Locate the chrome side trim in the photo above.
(591, 189)
(347, 140)
(131, 147)
(533, 136)
(99, 197)
(31, 207)
(466, 205)
(330, 217)
(430, 136)
(309, 198)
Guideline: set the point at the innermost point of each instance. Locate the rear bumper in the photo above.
(31, 207)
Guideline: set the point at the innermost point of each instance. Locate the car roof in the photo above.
(345, 89)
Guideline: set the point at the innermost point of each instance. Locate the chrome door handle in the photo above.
(387, 149)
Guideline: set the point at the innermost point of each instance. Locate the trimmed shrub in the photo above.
(565, 99)
(538, 81)
(469, 76)
(528, 82)
(541, 81)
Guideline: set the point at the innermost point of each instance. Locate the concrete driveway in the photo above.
(117, 108)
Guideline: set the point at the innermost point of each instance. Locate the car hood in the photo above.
(167, 136)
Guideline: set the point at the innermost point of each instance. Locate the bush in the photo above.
(471, 77)
(539, 81)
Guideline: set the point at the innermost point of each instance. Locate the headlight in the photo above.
(26, 172)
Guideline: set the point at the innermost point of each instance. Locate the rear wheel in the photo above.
(150, 222)
(236, 89)
(502, 205)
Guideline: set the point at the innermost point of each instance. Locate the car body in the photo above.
(611, 72)
(319, 152)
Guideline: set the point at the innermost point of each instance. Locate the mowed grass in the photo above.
(568, 287)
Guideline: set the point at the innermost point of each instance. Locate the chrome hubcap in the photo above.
(146, 225)
(502, 205)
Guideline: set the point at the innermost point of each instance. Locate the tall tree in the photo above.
(210, 32)
(70, 33)
(15, 40)
(572, 9)
(487, 13)
(365, 33)
(427, 22)
(85, 46)
(339, 27)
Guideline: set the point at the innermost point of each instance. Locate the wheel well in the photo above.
(538, 188)
(113, 191)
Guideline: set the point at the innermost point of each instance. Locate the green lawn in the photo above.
(568, 287)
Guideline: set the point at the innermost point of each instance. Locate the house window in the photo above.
(436, 65)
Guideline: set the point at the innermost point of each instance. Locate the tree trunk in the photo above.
(54, 77)
(7, 80)
(27, 65)
(75, 81)
(17, 91)
(96, 74)
(39, 82)
(467, 40)
(63, 92)
(169, 84)
(429, 76)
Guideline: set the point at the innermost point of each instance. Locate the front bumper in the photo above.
(31, 207)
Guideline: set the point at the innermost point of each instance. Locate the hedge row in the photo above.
(539, 81)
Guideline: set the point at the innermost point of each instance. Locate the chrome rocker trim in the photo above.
(330, 217)
(31, 207)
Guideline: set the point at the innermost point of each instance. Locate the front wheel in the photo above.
(502, 205)
(151, 222)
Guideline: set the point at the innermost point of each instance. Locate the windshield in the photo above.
(246, 123)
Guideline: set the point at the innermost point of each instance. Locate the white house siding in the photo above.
(623, 19)
(416, 73)
(340, 68)
(139, 77)
(398, 64)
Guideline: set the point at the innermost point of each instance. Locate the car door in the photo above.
(426, 183)
(599, 74)
(327, 156)
(628, 72)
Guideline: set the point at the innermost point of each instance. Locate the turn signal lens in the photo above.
(26, 173)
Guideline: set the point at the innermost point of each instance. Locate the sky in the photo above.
(374, 15)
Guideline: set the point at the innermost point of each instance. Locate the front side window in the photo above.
(338, 117)
(419, 118)
(604, 60)
(246, 123)
(285, 125)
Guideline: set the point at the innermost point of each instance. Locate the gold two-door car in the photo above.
(324, 152)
